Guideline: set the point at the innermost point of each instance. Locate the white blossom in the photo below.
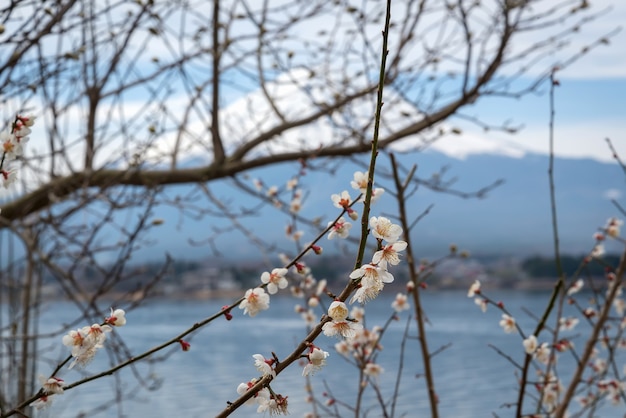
(275, 280)
(530, 344)
(264, 365)
(254, 301)
(383, 228)
(507, 323)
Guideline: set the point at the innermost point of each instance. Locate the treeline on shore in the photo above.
(539, 266)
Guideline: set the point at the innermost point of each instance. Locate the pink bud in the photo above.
(227, 313)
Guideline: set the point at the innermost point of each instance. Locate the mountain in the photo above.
(512, 219)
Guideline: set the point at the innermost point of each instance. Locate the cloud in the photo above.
(612, 194)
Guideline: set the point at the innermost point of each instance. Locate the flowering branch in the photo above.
(593, 337)
(349, 288)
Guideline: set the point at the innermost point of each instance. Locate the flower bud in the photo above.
(338, 311)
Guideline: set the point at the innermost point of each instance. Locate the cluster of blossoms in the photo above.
(341, 228)
(86, 341)
(265, 398)
(598, 382)
(550, 390)
(613, 389)
(507, 322)
(267, 401)
(340, 324)
(371, 278)
(475, 290)
(611, 229)
(13, 141)
(316, 360)
(374, 275)
(362, 346)
(540, 352)
(49, 386)
(359, 183)
(273, 192)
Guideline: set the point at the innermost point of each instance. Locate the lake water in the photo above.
(471, 379)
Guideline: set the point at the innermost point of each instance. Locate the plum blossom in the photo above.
(383, 228)
(264, 365)
(343, 347)
(389, 254)
(360, 181)
(530, 344)
(563, 345)
(550, 395)
(372, 275)
(599, 365)
(272, 191)
(341, 201)
(474, 289)
(340, 229)
(42, 402)
(372, 282)
(338, 311)
(585, 401)
(377, 192)
(262, 394)
(597, 251)
(542, 354)
(589, 312)
(292, 183)
(9, 177)
(275, 404)
(566, 324)
(275, 280)
(365, 293)
(85, 342)
(373, 369)
(357, 313)
(52, 385)
(117, 318)
(295, 205)
(613, 227)
(575, 287)
(482, 304)
(613, 388)
(344, 328)
(317, 360)
(254, 301)
(11, 146)
(339, 324)
(400, 303)
(507, 323)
